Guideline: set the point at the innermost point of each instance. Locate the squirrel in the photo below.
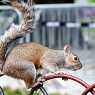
(26, 60)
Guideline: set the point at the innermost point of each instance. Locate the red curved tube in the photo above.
(88, 89)
(64, 75)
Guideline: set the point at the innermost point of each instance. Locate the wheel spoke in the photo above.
(1, 91)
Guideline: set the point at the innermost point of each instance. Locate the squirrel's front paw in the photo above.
(65, 79)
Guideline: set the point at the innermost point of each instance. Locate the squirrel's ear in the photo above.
(67, 50)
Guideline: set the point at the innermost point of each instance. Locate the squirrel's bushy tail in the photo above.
(26, 25)
(15, 31)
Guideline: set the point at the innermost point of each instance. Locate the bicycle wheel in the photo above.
(62, 75)
(87, 90)
(71, 77)
(40, 91)
(1, 91)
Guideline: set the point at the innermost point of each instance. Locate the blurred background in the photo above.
(60, 22)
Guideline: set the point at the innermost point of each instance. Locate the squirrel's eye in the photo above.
(75, 58)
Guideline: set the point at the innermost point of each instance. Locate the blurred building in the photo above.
(48, 1)
(52, 1)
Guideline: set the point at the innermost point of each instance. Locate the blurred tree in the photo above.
(92, 1)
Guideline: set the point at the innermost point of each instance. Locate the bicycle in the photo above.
(39, 85)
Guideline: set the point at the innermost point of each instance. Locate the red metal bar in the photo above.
(88, 89)
(67, 76)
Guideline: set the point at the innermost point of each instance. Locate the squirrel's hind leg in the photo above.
(21, 69)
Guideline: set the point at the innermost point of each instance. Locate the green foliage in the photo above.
(92, 1)
(9, 91)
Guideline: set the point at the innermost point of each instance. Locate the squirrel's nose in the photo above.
(77, 67)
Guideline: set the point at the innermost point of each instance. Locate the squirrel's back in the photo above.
(28, 51)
